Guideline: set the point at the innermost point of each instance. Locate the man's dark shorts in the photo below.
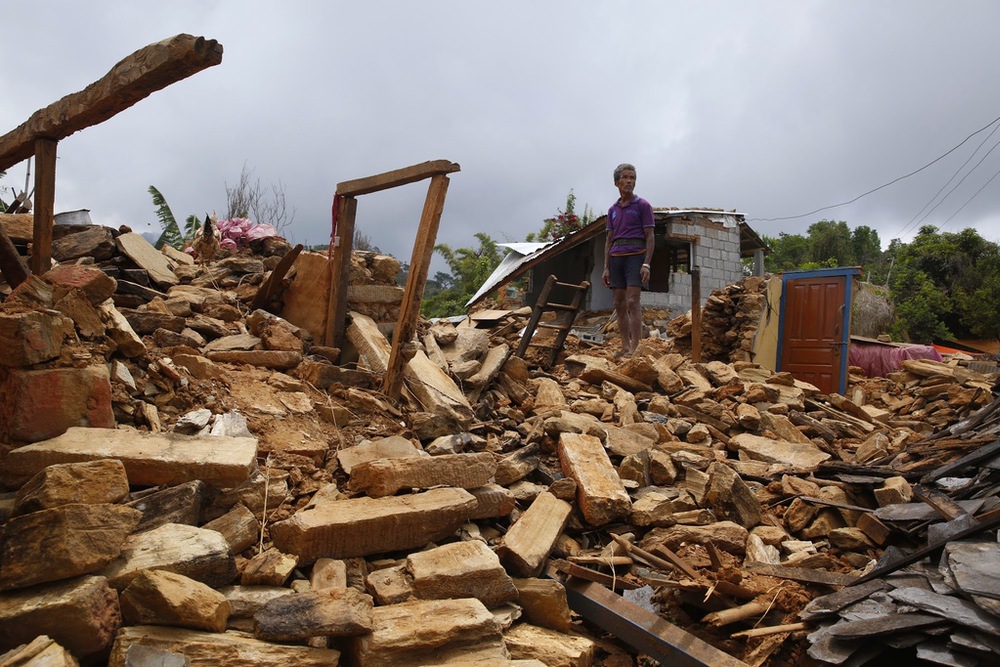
(624, 270)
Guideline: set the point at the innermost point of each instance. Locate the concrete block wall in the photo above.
(718, 255)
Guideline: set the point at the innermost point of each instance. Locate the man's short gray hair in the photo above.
(622, 167)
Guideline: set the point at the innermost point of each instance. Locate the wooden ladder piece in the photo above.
(543, 305)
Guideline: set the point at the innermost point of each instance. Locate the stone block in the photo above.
(419, 632)
(395, 446)
(41, 404)
(150, 459)
(458, 570)
(333, 612)
(213, 649)
(202, 555)
(544, 602)
(239, 526)
(87, 483)
(30, 337)
(527, 545)
(82, 614)
(62, 542)
(159, 597)
(365, 526)
(385, 477)
(93, 282)
(554, 649)
(600, 494)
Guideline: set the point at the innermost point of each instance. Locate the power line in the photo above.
(913, 220)
(971, 198)
(969, 173)
(884, 185)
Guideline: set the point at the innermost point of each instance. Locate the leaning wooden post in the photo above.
(696, 314)
(416, 280)
(340, 272)
(45, 199)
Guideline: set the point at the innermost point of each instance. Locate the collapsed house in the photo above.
(191, 478)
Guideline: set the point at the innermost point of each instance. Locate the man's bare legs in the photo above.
(629, 318)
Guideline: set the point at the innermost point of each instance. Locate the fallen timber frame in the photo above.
(423, 248)
(137, 76)
(642, 629)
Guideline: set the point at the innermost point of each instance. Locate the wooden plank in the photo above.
(45, 199)
(340, 272)
(396, 177)
(608, 580)
(270, 286)
(642, 629)
(803, 574)
(941, 503)
(137, 76)
(416, 280)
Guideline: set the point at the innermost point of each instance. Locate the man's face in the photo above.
(626, 182)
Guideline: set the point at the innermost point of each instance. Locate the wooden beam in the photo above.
(45, 199)
(270, 287)
(340, 273)
(12, 265)
(641, 628)
(139, 75)
(696, 314)
(391, 179)
(416, 280)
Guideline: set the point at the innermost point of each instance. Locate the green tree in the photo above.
(470, 267)
(790, 251)
(171, 231)
(830, 243)
(867, 248)
(565, 222)
(942, 282)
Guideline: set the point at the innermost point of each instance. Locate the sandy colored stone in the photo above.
(458, 570)
(63, 542)
(150, 459)
(600, 494)
(211, 649)
(527, 545)
(87, 483)
(365, 526)
(725, 535)
(200, 554)
(81, 614)
(41, 652)
(268, 568)
(417, 632)
(385, 477)
(795, 454)
(395, 446)
(239, 526)
(159, 597)
(544, 602)
(554, 649)
(333, 612)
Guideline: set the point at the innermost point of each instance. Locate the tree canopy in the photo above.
(943, 284)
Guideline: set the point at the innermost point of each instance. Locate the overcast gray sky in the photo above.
(771, 108)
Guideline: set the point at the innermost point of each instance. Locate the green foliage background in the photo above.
(943, 284)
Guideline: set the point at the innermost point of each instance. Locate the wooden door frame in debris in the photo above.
(137, 76)
(423, 249)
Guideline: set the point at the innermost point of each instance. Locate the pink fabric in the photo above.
(237, 232)
(880, 360)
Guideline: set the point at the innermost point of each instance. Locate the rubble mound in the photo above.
(205, 484)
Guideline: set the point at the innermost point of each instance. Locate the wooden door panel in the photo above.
(812, 335)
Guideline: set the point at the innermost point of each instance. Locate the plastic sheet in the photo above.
(880, 360)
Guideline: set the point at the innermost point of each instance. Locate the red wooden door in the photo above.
(813, 339)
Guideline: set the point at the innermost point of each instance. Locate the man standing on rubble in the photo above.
(628, 251)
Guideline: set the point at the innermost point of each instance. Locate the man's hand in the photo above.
(644, 274)
(606, 278)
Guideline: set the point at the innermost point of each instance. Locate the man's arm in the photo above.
(606, 276)
(644, 272)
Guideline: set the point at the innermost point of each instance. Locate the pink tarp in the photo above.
(879, 360)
